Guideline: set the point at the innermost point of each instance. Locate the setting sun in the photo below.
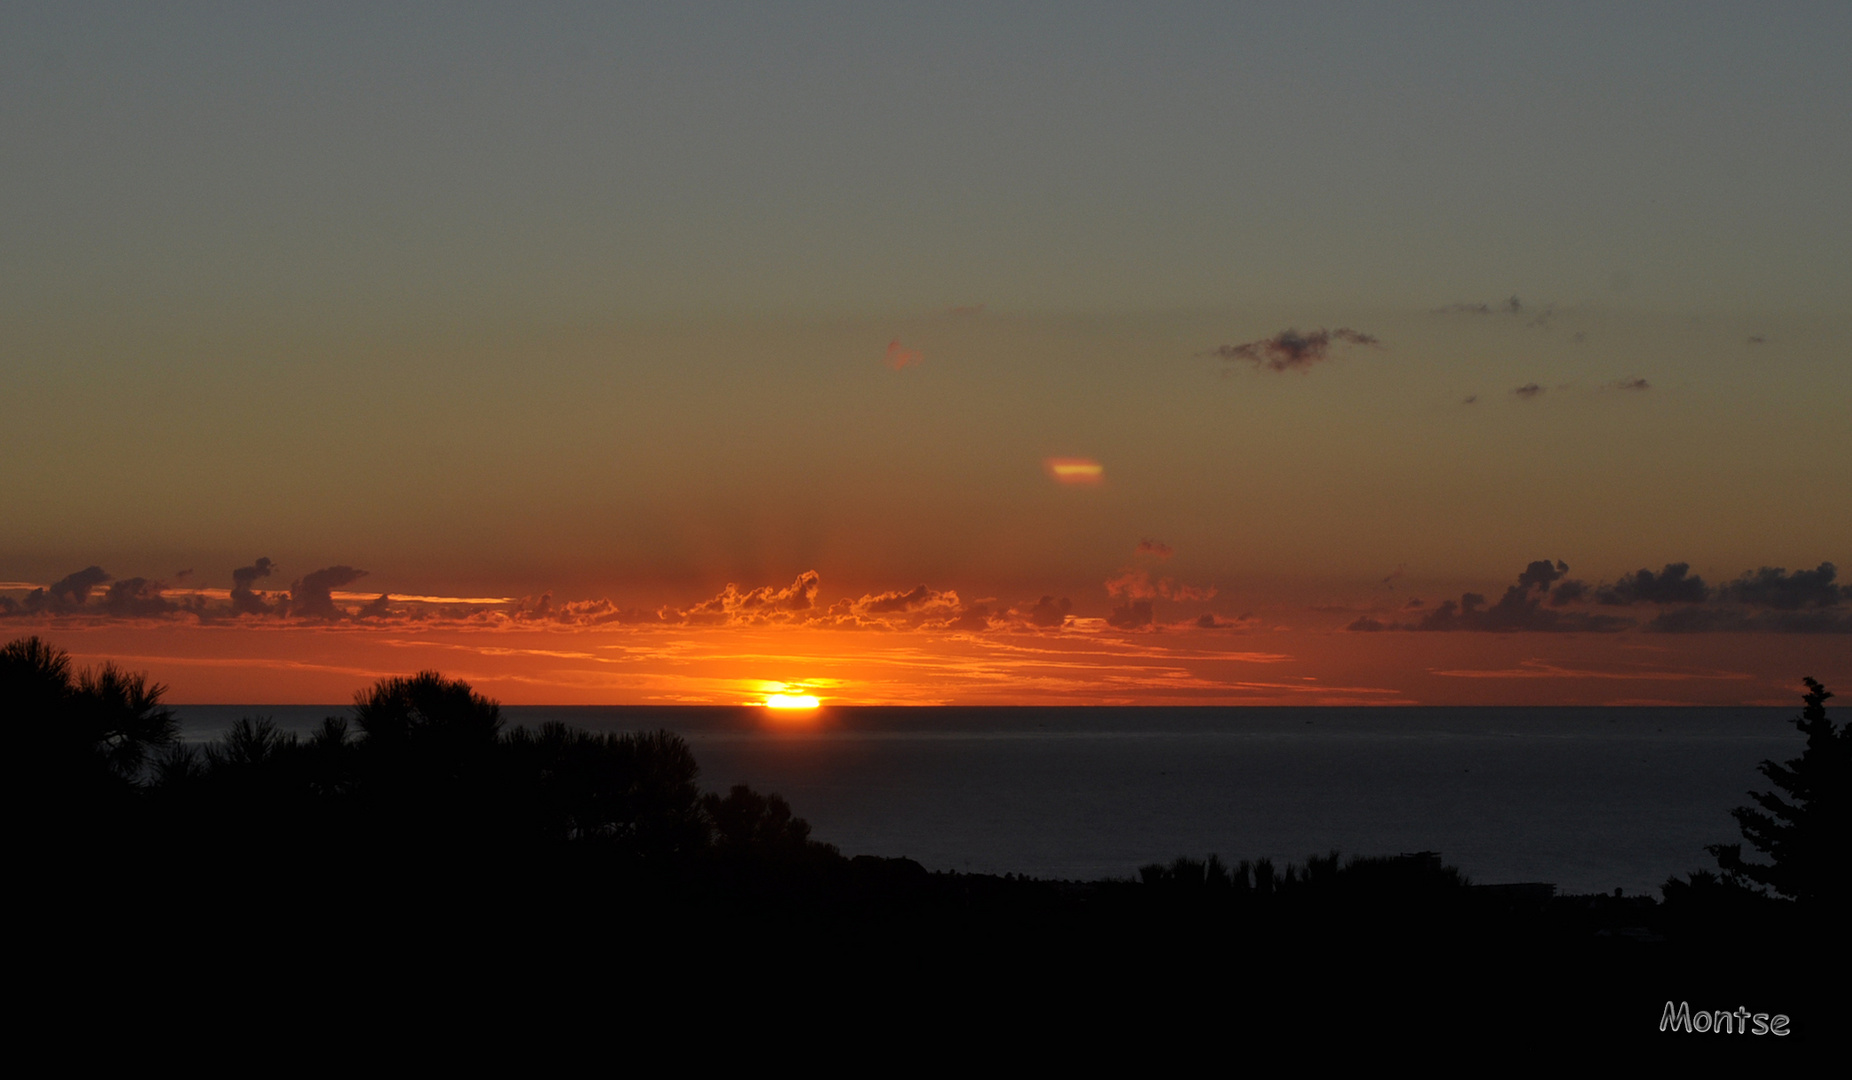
(791, 701)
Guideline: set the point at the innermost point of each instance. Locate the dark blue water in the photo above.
(1590, 799)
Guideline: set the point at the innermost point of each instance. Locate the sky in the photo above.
(1025, 354)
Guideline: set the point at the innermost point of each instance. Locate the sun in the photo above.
(791, 701)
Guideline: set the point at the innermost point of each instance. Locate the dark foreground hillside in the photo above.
(418, 860)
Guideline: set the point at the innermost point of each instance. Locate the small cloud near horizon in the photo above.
(1512, 306)
(1290, 350)
(899, 356)
(1075, 471)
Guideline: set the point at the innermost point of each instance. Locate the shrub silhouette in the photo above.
(1805, 835)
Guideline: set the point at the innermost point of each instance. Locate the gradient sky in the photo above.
(717, 347)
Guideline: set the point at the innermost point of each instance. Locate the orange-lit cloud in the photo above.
(794, 603)
(1075, 470)
(1136, 584)
(927, 644)
(1017, 658)
(899, 356)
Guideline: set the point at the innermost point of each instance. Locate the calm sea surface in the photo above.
(1590, 799)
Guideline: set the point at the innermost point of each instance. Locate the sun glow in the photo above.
(791, 701)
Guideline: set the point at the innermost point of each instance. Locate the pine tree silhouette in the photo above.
(1806, 834)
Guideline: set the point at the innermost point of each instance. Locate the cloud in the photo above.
(887, 602)
(1528, 391)
(1155, 547)
(1546, 669)
(1050, 612)
(918, 607)
(1520, 610)
(73, 589)
(1131, 616)
(899, 356)
(1291, 350)
(1673, 585)
(1774, 587)
(1568, 592)
(244, 600)
(67, 594)
(1715, 620)
(1632, 384)
(378, 609)
(584, 612)
(1541, 573)
(1075, 470)
(1208, 621)
(137, 597)
(1133, 583)
(1767, 600)
(975, 618)
(310, 597)
(794, 602)
(1511, 306)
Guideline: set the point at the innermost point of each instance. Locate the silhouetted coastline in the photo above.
(421, 839)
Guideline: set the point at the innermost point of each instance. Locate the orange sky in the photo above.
(1200, 353)
(1083, 661)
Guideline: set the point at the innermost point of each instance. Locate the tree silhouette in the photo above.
(88, 734)
(1806, 834)
(748, 821)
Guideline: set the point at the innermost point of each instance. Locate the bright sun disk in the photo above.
(791, 701)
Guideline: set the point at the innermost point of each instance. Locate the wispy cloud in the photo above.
(1547, 669)
(1155, 547)
(1290, 350)
(899, 356)
(1075, 471)
(1511, 306)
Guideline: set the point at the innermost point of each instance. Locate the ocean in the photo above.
(1589, 799)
